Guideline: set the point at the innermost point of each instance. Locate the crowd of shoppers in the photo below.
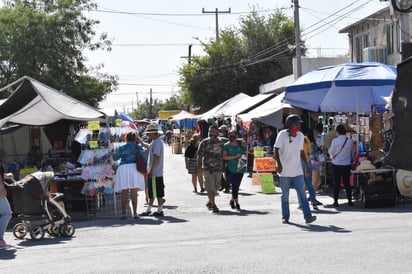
(218, 157)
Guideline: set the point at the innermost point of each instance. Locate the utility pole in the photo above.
(150, 105)
(189, 55)
(216, 12)
(137, 100)
(401, 8)
(405, 35)
(297, 39)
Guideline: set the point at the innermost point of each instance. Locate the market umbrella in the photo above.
(349, 87)
(184, 119)
(125, 117)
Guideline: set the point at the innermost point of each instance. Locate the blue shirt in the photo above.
(127, 153)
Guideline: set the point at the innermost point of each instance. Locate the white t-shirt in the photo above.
(289, 153)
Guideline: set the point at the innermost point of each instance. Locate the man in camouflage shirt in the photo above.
(210, 162)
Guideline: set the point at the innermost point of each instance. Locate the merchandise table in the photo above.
(71, 188)
(376, 186)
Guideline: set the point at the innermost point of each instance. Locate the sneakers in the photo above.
(158, 214)
(162, 202)
(147, 213)
(285, 221)
(232, 204)
(215, 209)
(237, 206)
(3, 243)
(317, 203)
(311, 219)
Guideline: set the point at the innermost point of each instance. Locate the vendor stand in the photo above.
(347, 88)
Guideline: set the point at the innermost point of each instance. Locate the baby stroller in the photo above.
(37, 209)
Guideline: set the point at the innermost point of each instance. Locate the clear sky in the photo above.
(151, 38)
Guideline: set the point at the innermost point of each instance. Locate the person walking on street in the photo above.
(319, 164)
(289, 155)
(232, 152)
(311, 153)
(210, 163)
(127, 178)
(341, 152)
(5, 213)
(155, 163)
(224, 184)
(191, 162)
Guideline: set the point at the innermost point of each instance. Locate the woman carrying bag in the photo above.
(234, 152)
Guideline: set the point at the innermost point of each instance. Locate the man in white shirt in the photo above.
(289, 156)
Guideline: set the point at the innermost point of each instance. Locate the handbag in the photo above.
(141, 164)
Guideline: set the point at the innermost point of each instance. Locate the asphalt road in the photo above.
(191, 239)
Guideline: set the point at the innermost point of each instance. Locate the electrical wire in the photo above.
(253, 59)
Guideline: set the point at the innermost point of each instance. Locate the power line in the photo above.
(179, 14)
(147, 85)
(154, 44)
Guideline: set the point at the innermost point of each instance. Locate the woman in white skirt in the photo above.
(127, 178)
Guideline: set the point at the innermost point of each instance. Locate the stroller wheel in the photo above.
(54, 230)
(37, 233)
(67, 230)
(19, 231)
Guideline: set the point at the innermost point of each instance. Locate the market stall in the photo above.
(352, 93)
(45, 121)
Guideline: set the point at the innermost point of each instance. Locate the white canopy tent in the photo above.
(245, 105)
(219, 109)
(34, 103)
(269, 113)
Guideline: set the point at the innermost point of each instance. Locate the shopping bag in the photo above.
(255, 179)
(154, 187)
(267, 182)
(242, 163)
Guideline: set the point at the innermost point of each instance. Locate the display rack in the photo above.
(97, 171)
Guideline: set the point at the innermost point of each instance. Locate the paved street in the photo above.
(190, 239)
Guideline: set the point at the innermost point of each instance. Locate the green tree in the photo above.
(259, 51)
(45, 40)
(147, 109)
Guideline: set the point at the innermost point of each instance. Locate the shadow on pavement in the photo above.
(8, 254)
(149, 220)
(242, 212)
(360, 208)
(323, 211)
(319, 228)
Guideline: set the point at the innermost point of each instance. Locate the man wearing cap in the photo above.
(155, 162)
(210, 162)
(289, 155)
